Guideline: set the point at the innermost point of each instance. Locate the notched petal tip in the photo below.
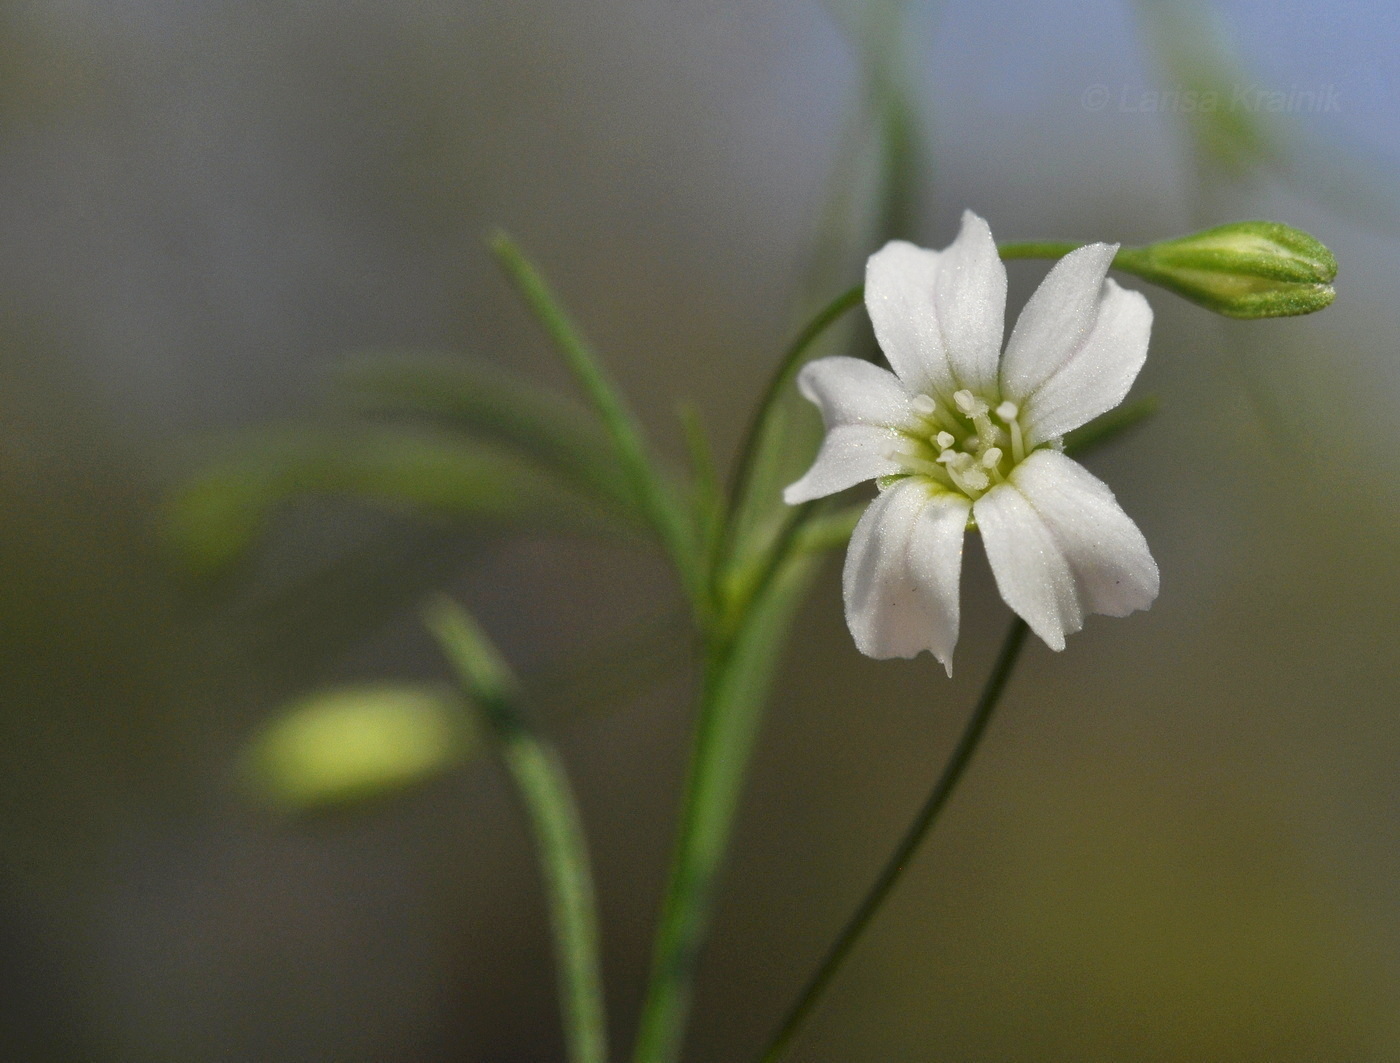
(900, 581)
(1061, 547)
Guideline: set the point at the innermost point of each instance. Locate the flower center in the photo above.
(970, 446)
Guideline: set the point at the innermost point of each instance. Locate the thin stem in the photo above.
(544, 790)
(786, 369)
(753, 585)
(1109, 425)
(899, 860)
(738, 674)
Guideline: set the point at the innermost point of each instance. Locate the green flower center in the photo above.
(970, 446)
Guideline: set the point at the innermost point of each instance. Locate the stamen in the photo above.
(976, 479)
(963, 471)
(991, 457)
(1010, 412)
(944, 440)
(968, 403)
(914, 463)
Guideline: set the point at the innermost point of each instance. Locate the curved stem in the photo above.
(782, 375)
(899, 860)
(548, 799)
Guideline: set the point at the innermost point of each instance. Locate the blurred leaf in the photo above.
(482, 400)
(357, 742)
(1197, 57)
(615, 669)
(220, 513)
(830, 530)
(295, 624)
(646, 480)
(1240, 137)
(706, 498)
(879, 189)
(1110, 425)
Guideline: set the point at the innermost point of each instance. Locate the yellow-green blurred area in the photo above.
(1181, 839)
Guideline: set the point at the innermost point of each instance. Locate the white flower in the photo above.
(961, 435)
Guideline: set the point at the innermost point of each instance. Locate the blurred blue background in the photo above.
(1182, 837)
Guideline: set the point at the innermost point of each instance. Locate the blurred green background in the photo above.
(1181, 839)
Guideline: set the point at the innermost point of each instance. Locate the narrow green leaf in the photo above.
(1197, 58)
(481, 400)
(1110, 425)
(829, 531)
(648, 485)
(217, 515)
(353, 743)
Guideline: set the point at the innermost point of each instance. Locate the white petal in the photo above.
(1030, 569)
(849, 454)
(1098, 375)
(899, 284)
(970, 296)
(902, 571)
(860, 405)
(1060, 547)
(852, 391)
(1114, 572)
(935, 562)
(938, 315)
(1056, 319)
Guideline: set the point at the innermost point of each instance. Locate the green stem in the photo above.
(786, 369)
(736, 682)
(899, 859)
(543, 786)
(645, 481)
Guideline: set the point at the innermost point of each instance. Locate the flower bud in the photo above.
(353, 743)
(1246, 269)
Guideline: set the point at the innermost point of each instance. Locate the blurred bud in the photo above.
(354, 743)
(1247, 269)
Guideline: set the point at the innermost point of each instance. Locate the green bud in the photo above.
(356, 742)
(1247, 269)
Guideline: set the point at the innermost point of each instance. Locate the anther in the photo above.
(969, 403)
(991, 458)
(944, 440)
(924, 405)
(1008, 412)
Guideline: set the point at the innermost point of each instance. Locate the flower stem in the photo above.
(544, 790)
(899, 860)
(787, 367)
(738, 673)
